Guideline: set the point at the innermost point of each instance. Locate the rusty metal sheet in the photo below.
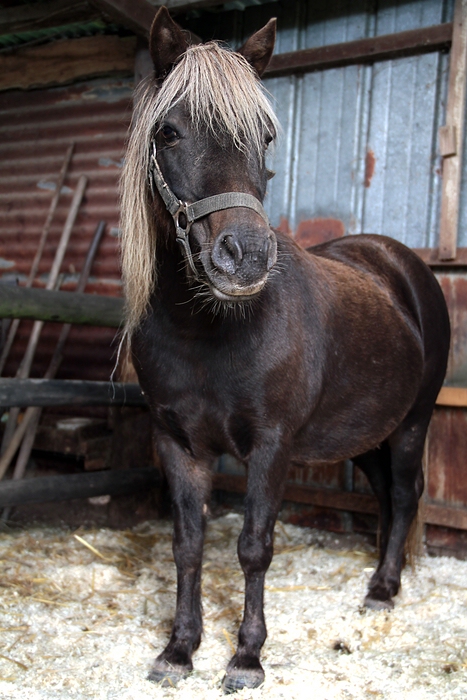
(89, 353)
(36, 128)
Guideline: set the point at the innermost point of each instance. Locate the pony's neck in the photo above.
(180, 297)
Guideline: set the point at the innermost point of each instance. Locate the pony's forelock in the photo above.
(221, 93)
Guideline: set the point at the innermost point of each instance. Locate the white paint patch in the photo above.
(52, 186)
(75, 625)
(109, 162)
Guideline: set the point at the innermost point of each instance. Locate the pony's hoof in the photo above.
(375, 604)
(166, 674)
(238, 678)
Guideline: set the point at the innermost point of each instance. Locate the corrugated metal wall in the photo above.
(359, 143)
(36, 128)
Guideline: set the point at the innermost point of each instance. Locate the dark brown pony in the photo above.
(246, 344)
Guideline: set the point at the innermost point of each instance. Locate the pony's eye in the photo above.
(169, 134)
(267, 139)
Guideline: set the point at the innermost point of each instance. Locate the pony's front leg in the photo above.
(190, 486)
(266, 480)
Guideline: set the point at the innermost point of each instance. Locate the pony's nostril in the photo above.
(233, 247)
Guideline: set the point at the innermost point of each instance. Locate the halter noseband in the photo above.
(197, 210)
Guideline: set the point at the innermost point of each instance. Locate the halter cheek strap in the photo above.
(197, 210)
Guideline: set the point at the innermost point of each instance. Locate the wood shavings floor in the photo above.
(84, 617)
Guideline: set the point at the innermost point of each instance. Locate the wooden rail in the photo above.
(433, 514)
(62, 307)
(112, 482)
(68, 392)
(378, 48)
(453, 396)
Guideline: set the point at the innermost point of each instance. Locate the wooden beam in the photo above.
(301, 493)
(176, 6)
(68, 392)
(43, 489)
(136, 15)
(43, 15)
(430, 256)
(433, 514)
(60, 62)
(453, 396)
(62, 307)
(445, 516)
(379, 48)
(453, 132)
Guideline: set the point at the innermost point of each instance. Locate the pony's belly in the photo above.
(344, 436)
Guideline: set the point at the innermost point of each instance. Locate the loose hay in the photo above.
(86, 623)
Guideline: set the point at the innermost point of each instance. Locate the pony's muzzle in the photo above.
(247, 256)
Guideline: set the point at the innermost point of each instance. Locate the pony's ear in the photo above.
(167, 42)
(258, 48)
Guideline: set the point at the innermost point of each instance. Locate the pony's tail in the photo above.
(416, 538)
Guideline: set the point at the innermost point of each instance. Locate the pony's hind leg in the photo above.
(406, 446)
(376, 465)
(190, 486)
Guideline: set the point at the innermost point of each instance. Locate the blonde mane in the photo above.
(222, 94)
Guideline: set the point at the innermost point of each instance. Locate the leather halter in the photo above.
(197, 210)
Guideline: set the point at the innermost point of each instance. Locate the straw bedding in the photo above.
(82, 615)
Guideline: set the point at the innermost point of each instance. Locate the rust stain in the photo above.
(370, 162)
(314, 231)
(284, 226)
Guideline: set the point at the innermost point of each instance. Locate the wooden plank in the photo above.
(328, 498)
(455, 114)
(62, 307)
(445, 516)
(302, 493)
(431, 257)
(45, 489)
(380, 48)
(60, 62)
(137, 15)
(447, 141)
(68, 392)
(453, 396)
(433, 514)
(43, 15)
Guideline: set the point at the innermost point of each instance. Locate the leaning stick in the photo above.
(15, 441)
(25, 367)
(40, 249)
(26, 363)
(34, 416)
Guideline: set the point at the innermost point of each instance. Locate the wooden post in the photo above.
(451, 136)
